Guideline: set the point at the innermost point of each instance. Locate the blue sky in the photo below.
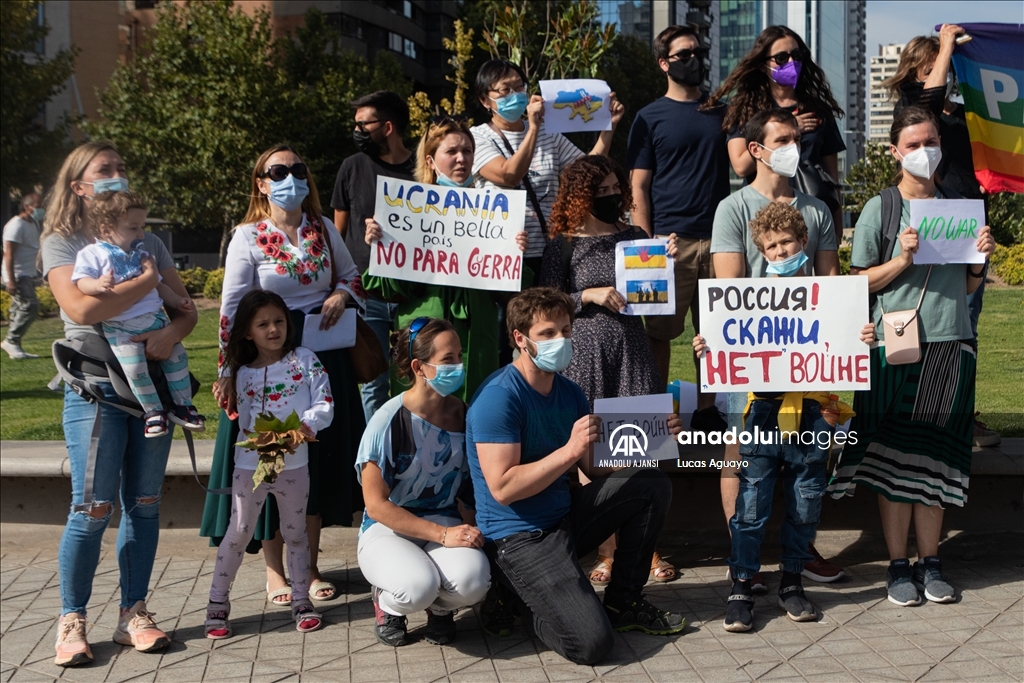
(895, 21)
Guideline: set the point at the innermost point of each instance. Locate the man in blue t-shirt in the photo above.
(679, 171)
(526, 428)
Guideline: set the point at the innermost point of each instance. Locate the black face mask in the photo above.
(607, 209)
(690, 72)
(365, 143)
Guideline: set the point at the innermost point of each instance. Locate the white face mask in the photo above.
(922, 162)
(785, 159)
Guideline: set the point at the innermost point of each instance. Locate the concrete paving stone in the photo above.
(675, 677)
(371, 675)
(974, 667)
(782, 672)
(29, 676)
(907, 657)
(814, 667)
(997, 648)
(941, 673)
(326, 677)
(1011, 665)
(724, 674)
(667, 663)
(844, 647)
(519, 676)
(787, 638)
(702, 660)
(472, 678)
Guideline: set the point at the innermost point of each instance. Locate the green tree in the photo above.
(634, 76)
(869, 176)
(29, 153)
(1006, 217)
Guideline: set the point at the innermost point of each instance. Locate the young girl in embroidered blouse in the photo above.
(272, 376)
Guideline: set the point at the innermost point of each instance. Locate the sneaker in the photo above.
(187, 417)
(15, 351)
(389, 629)
(739, 611)
(899, 585)
(985, 437)
(710, 419)
(72, 647)
(640, 615)
(440, 628)
(821, 570)
(497, 615)
(928, 579)
(793, 600)
(137, 628)
(758, 586)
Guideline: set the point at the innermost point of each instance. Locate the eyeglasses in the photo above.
(505, 91)
(687, 54)
(414, 329)
(442, 119)
(361, 125)
(279, 172)
(781, 58)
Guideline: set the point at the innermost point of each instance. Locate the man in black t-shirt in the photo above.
(679, 172)
(380, 121)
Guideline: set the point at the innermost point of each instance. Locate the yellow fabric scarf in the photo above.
(792, 408)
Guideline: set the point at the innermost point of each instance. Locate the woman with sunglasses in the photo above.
(778, 72)
(414, 548)
(445, 157)
(285, 245)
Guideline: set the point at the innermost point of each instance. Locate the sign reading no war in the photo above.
(947, 230)
(784, 334)
(455, 236)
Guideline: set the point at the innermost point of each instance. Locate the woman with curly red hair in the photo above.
(285, 245)
(611, 356)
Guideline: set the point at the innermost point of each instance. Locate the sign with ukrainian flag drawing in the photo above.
(990, 73)
(576, 105)
(644, 276)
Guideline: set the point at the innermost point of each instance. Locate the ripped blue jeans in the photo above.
(128, 467)
(801, 466)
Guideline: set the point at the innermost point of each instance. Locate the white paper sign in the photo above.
(644, 277)
(341, 335)
(784, 334)
(947, 230)
(634, 431)
(462, 237)
(576, 105)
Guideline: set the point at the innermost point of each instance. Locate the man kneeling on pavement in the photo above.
(526, 428)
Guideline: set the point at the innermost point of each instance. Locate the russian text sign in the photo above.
(634, 431)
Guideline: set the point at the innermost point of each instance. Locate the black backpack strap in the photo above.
(892, 210)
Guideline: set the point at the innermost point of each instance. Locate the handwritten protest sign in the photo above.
(634, 431)
(784, 334)
(644, 277)
(455, 236)
(575, 105)
(947, 230)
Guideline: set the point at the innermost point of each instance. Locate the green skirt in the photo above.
(914, 429)
(334, 493)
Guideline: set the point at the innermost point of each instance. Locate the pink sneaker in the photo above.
(137, 628)
(72, 647)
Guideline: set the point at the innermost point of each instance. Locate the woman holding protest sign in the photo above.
(285, 245)
(445, 157)
(914, 427)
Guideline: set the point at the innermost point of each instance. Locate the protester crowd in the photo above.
(468, 459)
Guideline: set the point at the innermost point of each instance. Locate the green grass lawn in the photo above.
(29, 411)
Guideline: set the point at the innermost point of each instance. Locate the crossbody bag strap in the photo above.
(920, 299)
(527, 185)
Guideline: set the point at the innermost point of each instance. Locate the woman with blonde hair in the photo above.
(285, 245)
(445, 157)
(121, 462)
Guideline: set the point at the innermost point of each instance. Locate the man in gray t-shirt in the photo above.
(21, 246)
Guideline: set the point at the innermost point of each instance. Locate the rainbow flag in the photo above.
(990, 72)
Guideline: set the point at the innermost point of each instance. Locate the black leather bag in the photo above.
(814, 180)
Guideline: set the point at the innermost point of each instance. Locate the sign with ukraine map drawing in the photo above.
(644, 277)
(576, 105)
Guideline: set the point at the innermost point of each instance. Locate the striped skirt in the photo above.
(914, 429)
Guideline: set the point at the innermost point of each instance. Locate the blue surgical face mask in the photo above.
(38, 213)
(288, 193)
(788, 266)
(444, 180)
(553, 355)
(512, 106)
(448, 379)
(116, 184)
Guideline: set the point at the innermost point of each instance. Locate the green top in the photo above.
(943, 315)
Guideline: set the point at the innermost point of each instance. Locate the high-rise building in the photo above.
(883, 66)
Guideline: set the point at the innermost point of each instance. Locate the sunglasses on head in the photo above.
(687, 55)
(414, 329)
(279, 172)
(781, 58)
(442, 119)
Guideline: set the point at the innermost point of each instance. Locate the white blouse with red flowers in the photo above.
(260, 256)
(296, 382)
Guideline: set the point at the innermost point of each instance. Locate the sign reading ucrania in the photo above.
(457, 236)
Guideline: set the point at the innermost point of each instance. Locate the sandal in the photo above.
(217, 624)
(603, 567)
(188, 418)
(321, 585)
(306, 618)
(155, 424)
(283, 590)
(662, 571)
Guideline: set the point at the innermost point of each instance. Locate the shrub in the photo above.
(1008, 262)
(47, 303)
(844, 259)
(214, 283)
(194, 280)
(5, 304)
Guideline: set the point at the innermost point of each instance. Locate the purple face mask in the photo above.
(788, 74)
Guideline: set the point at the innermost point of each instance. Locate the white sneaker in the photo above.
(15, 351)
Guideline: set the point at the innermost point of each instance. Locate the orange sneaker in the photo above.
(137, 628)
(72, 647)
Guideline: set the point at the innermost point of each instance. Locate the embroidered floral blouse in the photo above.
(296, 382)
(260, 256)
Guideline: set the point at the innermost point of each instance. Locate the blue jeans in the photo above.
(129, 466)
(379, 316)
(974, 303)
(803, 470)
